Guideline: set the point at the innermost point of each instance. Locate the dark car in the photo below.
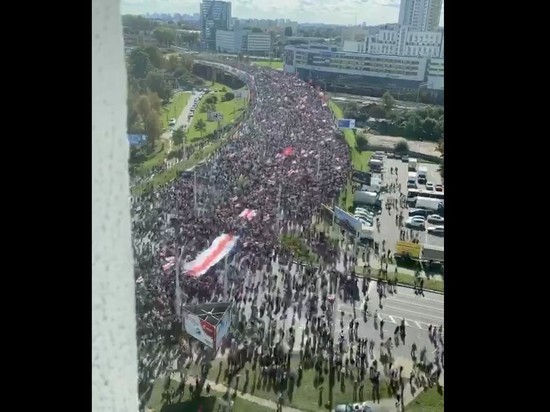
(418, 212)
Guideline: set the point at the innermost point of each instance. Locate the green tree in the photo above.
(388, 101)
(165, 36)
(228, 96)
(200, 126)
(362, 141)
(288, 31)
(401, 147)
(139, 64)
(178, 139)
(173, 63)
(377, 111)
(143, 106)
(155, 102)
(155, 82)
(428, 128)
(153, 127)
(156, 57)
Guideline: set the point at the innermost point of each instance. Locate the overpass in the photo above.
(220, 73)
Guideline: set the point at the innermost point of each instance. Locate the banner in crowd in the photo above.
(346, 123)
(223, 327)
(219, 248)
(200, 329)
(347, 221)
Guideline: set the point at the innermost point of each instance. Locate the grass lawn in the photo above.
(174, 109)
(407, 279)
(184, 403)
(428, 401)
(170, 174)
(305, 397)
(230, 111)
(274, 64)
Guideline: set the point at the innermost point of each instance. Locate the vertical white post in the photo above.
(114, 349)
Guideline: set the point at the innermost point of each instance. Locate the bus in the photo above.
(412, 194)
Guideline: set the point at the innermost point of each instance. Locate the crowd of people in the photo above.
(247, 172)
(284, 160)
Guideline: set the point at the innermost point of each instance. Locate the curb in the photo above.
(405, 285)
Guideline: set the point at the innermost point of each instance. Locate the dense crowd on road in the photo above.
(283, 161)
(247, 172)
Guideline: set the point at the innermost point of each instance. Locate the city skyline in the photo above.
(343, 12)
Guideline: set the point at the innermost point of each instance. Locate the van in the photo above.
(411, 180)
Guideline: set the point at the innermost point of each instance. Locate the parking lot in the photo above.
(389, 227)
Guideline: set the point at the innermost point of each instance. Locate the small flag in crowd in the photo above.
(170, 261)
(288, 151)
(291, 172)
(248, 214)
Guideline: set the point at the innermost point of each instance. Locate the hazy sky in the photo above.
(307, 11)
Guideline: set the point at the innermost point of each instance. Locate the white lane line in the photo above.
(407, 323)
(392, 320)
(418, 324)
(412, 311)
(414, 304)
(418, 298)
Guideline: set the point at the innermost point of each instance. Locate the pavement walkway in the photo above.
(385, 405)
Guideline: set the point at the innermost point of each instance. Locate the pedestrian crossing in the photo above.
(396, 320)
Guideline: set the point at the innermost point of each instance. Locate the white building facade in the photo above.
(403, 41)
(243, 41)
(422, 15)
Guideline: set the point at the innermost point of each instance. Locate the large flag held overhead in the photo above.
(219, 248)
(248, 214)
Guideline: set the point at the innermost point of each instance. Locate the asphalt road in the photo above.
(417, 311)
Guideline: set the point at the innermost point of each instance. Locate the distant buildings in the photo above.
(244, 41)
(421, 15)
(365, 73)
(396, 40)
(214, 15)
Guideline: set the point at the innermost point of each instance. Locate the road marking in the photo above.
(406, 323)
(418, 324)
(414, 304)
(412, 311)
(392, 320)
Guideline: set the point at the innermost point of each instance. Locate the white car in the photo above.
(436, 230)
(172, 122)
(436, 219)
(416, 222)
(430, 186)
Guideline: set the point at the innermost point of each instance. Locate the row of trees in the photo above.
(426, 123)
(151, 81)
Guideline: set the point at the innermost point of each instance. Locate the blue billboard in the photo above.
(137, 139)
(346, 123)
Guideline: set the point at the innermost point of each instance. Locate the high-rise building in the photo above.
(214, 15)
(421, 15)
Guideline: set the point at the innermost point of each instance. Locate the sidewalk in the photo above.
(385, 405)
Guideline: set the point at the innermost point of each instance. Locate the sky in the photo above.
(345, 12)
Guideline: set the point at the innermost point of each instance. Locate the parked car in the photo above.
(418, 212)
(416, 222)
(436, 230)
(429, 186)
(422, 180)
(172, 122)
(405, 158)
(353, 407)
(439, 188)
(436, 219)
